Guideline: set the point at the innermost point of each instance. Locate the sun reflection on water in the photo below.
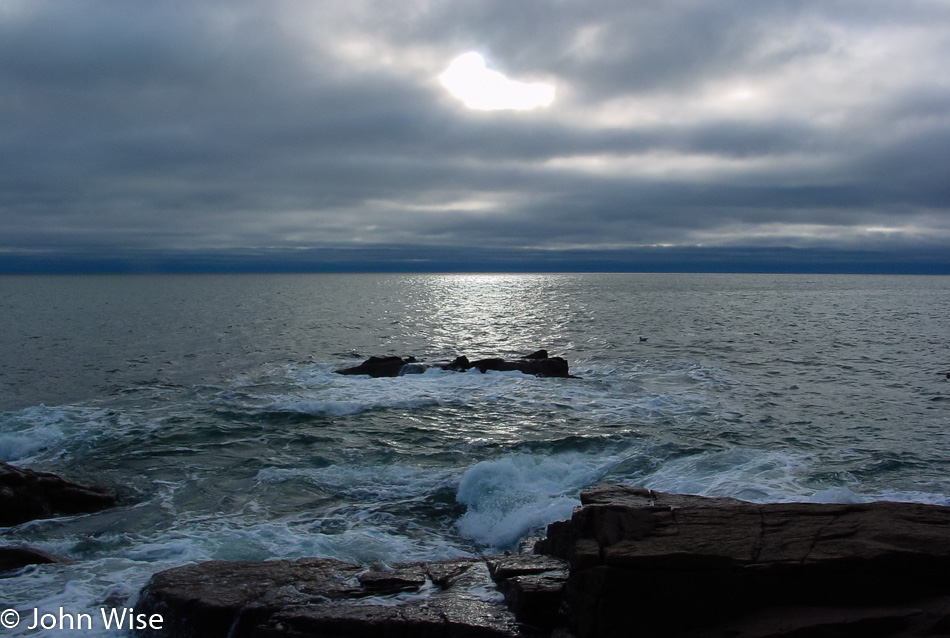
(493, 315)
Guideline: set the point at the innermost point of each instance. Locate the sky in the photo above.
(474, 135)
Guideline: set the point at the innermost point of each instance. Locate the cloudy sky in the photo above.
(325, 135)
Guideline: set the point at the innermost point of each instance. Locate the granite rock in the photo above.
(674, 565)
(326, 597)
(26, 495)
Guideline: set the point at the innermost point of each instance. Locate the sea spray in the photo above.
(510, 496)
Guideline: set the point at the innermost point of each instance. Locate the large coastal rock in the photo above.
(26, 495)
(655, 564)
(326, 597)
(537, 363)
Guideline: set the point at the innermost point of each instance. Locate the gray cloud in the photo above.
(249, 127)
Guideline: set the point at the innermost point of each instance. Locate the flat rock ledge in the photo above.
(537, 363)
(26, 495)
(331, 598)
(630, 562)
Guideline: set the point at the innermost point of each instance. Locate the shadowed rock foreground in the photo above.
(629, 562)
(327, 597)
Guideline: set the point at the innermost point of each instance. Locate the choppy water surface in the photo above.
(209, 403)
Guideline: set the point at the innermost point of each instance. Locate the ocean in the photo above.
(209, 404)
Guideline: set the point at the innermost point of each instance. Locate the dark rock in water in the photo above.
(326, 597)
(26, 495)
(459, 364)
(537, 363)
(16, 556)
(677, 566)
(412, 368)
(378, 367)
(547, 367)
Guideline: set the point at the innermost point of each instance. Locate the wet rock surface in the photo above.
(674, 565)
(537, 363)
(326, 597)
(26, 495)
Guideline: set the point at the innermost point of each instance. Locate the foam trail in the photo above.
(318, 391)
(763, 476)
(33, 430)
(751, 475)
(366, 482)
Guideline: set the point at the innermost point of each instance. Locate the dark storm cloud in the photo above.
(266, 131)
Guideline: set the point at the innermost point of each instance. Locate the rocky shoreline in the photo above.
(27, 495)
(630, 561)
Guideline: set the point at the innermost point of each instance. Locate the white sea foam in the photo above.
(845, 495)
(764, 476)
(82, 587)
(319, 391)
(27, 432)
(836, 495)
(510, 496)
(752, 475)
(601, 398)
(50, 431)
(402, 598)
(908, 497)
(119, 572)
(359, 543)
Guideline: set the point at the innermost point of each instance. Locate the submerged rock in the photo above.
(547, 367)
(674, 565)
(537, 363)
(26, 495)
(13, 557)
(378, 367)
(327, 597)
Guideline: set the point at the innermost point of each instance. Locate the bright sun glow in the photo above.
(487, 90)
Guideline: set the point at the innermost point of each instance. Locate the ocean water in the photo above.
(209, 403)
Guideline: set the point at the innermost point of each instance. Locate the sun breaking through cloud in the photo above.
(797, 127)
(478, 87)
